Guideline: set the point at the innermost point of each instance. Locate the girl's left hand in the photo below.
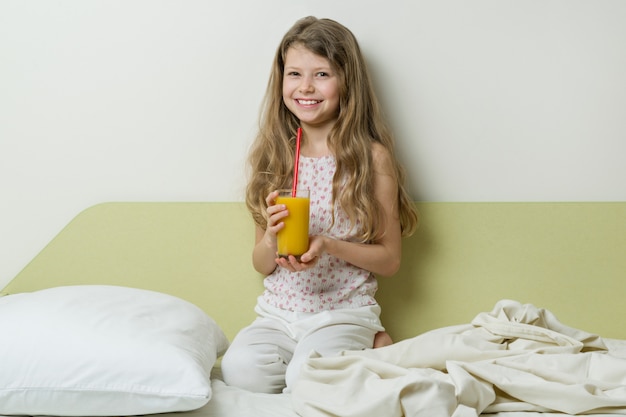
(307, 259)
(293, 264)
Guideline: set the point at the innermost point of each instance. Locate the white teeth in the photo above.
(307, 102)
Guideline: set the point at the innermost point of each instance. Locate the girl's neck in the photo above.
(314, 142)
(312, 149)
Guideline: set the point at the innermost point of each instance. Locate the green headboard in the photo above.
(569, 258)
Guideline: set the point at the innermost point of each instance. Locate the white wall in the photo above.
(155, 100)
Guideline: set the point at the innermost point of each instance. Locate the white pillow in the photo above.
(104, 350)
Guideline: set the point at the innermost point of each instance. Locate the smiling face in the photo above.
(310, 88)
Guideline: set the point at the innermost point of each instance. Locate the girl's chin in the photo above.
(315, 121)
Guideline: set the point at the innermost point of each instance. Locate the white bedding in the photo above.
(233, 402)
(515, 358)
(360, 386)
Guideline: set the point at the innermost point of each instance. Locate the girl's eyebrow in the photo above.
(316, 69)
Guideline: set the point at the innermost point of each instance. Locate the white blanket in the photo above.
(515, 358)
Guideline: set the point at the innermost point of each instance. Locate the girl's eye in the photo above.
(322, 74)
(293, 73)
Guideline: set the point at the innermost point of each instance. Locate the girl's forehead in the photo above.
(302, 55)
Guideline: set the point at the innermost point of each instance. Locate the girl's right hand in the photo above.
(265, 249)
(275, 214)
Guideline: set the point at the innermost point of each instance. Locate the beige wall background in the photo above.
(154, 100)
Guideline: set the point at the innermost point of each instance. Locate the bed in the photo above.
(165, 278)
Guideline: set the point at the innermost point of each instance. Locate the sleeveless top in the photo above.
(332, 283)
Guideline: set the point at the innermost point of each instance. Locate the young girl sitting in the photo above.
(322, 301)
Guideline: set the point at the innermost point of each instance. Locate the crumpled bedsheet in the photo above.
(515, 358)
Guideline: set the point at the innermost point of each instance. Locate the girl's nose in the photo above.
(306, 86)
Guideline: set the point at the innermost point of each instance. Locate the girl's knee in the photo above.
(252, 371)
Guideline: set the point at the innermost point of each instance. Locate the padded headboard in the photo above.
(569, 258)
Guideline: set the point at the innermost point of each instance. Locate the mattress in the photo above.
(177, 362)
(120, 363)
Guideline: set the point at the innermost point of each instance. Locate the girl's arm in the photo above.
(264, 253)
(382, 257)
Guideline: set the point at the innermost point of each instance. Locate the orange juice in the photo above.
(293, 239)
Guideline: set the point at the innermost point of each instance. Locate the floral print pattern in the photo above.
(332, 283)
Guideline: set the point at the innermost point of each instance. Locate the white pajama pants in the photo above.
(267, 355)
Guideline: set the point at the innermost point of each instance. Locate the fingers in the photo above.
(293, 264)
(271, 198)
(275, 212)
(290, 263)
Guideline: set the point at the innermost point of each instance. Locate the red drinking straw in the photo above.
(296, 162)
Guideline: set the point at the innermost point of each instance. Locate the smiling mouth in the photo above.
(308, 102)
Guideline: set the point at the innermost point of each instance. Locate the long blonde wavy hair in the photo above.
(360, 123)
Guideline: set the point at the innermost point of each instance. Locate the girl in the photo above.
(360, 210)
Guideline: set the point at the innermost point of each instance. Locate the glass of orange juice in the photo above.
(293, 238)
